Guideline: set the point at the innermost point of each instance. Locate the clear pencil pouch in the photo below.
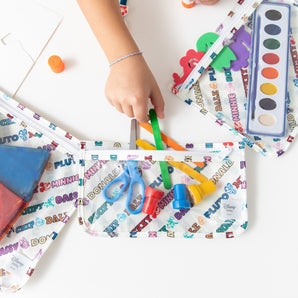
(222, 213)
(54, 199)
(223, 94)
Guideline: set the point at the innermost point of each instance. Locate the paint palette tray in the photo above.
(20, 171)
(269, 70)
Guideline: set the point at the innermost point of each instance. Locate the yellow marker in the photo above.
(198, 192)
(179, 165)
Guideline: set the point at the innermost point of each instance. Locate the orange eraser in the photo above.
(56, 64)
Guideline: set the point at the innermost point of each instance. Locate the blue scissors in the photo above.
(130, 176)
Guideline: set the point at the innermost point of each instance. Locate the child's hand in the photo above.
(129, 87)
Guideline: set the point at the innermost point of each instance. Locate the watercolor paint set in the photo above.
(268, 92)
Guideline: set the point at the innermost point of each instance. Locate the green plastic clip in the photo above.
(159, 146)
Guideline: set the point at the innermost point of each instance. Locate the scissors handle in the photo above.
(135, 178)
(124, 177)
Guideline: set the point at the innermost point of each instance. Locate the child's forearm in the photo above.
(106, 22)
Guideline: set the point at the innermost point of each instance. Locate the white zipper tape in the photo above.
(156, 155)
(21, 113)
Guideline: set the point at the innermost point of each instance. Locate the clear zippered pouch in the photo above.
(113, 207)
(246, 81)
(54, 198)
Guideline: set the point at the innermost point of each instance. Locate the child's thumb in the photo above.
(158, 102)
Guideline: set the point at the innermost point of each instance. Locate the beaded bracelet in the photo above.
(126, 56)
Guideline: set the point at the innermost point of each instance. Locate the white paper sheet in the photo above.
(26, 26)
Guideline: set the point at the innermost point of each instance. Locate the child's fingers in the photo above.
(158, 102)
(141, 112)
(128, 110)
(118, 107)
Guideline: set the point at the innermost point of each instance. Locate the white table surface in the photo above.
(262, 262)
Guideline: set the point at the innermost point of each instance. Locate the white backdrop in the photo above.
(263, 262)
